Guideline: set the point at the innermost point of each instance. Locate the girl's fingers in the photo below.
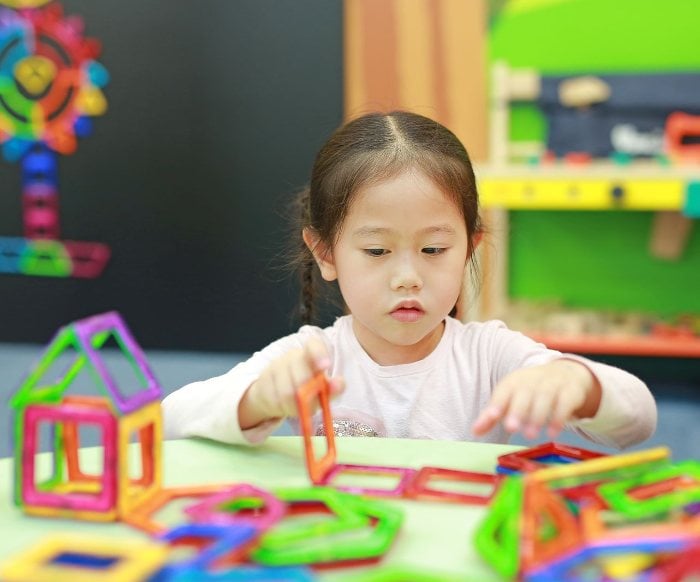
(317, 355)
(495, 410)
(337, 386)
(487, 420)
(561, 412)
(518, 409)
(540, 410)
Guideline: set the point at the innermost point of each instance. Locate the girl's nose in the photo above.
(406, 276)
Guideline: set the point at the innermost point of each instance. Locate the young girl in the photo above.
(391, 214)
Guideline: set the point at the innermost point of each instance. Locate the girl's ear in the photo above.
(476, 241)
(322, 254)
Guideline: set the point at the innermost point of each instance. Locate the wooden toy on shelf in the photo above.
(507, 183)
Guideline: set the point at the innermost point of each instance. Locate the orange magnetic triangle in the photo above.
(543, 506)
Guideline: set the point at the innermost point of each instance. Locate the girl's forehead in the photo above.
(407, 203)
(410, 186)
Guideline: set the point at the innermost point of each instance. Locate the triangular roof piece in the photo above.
(86, 337)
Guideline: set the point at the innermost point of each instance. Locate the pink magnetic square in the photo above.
(405, 474)
(107, 497)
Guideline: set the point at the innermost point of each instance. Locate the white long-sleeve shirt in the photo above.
(438, 397)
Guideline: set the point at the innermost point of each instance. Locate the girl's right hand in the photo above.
(272, 395)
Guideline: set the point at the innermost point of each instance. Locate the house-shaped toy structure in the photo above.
(69, 492)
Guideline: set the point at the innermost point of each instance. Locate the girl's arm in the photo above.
(272, 396)
(211, 408)
(537, 388)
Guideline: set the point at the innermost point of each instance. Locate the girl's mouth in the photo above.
(407, 314)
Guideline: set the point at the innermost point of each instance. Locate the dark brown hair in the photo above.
(370, 149)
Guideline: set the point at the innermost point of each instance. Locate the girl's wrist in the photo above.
(250, 412)
(593, 390)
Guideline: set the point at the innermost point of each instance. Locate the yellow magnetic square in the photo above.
(133, 493)
(135, 560)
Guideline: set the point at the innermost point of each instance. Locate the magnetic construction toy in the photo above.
(628, 516)
(50, 88)
(560, 512)
(411, 483)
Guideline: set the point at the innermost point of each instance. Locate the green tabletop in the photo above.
(435, 537)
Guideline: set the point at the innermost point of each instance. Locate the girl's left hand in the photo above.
(548, 395)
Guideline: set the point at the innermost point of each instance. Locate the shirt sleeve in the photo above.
(209, 408)
(627, 413)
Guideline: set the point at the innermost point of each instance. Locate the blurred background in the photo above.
(582, 117)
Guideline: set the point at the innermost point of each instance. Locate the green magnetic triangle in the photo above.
(497, 538)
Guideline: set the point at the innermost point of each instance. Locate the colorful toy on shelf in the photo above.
(682, 131)
(41, 400)
(81, 558)
(50, 86)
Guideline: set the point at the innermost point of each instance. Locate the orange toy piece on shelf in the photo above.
(681, 131)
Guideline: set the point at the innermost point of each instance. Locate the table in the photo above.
(435, 536)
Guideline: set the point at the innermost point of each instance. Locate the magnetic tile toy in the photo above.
(544, 455)
(370, 541)
(419, 487)
(72, 558)
(212, 542)
(41, 400)
(497, 538)
(316, 388)
(542, 506)
(224, 508)
(51, 85)
(405, 477)
(142, 516)
(620, 495)
(573, 474)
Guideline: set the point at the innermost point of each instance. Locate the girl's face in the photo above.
(400, 261)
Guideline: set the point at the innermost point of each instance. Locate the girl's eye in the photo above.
(376, 252)
(434, 250)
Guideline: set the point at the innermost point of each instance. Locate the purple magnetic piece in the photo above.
(40, 190)
(207, 511)
(405, 473)
(107, 498)
(85, 329)
(693, 508)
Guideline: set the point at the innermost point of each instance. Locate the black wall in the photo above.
(216, 110)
